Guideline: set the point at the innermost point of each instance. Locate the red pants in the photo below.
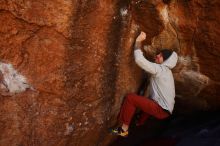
(148, 106)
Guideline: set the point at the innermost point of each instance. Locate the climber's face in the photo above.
(159, 58)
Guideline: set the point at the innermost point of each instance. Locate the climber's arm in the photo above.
(146, 65)
(141, 61)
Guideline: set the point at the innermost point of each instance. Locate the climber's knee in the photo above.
(130, 96)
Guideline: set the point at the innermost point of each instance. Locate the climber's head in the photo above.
(162, 56)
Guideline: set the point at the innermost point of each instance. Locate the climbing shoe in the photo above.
(119, 131)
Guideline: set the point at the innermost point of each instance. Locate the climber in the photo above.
(160, 103)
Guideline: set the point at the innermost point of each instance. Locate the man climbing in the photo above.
(161, 101)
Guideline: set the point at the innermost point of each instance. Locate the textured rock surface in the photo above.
(78, 57)
(192, 29)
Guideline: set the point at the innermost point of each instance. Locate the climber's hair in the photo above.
(166, 53)
(166, 1)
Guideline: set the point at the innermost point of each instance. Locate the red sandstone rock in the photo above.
(190, 28)
(71, 54)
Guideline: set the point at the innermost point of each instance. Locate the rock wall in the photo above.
(191, 29)
(76, 61)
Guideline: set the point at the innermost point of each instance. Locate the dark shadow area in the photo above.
(198, 129)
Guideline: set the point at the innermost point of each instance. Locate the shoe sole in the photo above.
(114, 132)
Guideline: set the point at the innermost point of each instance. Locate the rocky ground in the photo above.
(197, 129)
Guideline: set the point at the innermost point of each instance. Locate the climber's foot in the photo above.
(119, 131)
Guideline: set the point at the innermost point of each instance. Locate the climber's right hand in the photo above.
(141, 37)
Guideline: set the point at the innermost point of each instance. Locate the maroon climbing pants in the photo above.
(148, 106)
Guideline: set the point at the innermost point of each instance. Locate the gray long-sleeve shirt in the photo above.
(162, 88)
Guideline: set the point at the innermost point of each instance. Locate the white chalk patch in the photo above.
(164, 14)
(123, 12)
(12, 80)
(138, 1)
(196, 80)
(69, 129)
(185, 60)
(86, 123)
(197, 76)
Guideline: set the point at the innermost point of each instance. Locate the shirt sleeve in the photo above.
(146, 65)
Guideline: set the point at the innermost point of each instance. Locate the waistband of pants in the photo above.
(167, 111)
